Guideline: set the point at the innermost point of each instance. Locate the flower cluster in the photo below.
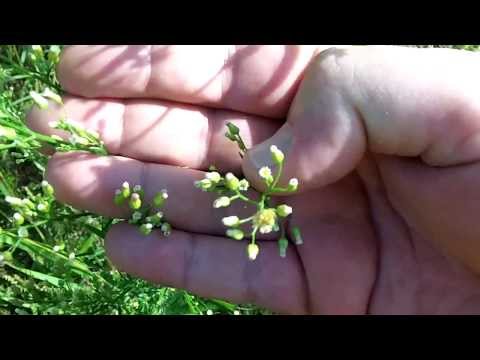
(267, 218)
(146, 217)
(31, 208)
(80, 138)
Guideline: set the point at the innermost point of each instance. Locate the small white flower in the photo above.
(148, 226)
(236, 312)
(44, 183)
(209, 312)
(243, 185)
(230, 220)
(71, 256)
(265, 229)
(137, 188)
(265, 172)
(56, 248)
(223, 201)
(41, 207)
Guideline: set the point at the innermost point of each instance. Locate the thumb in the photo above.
(322, 138)
(410, 102)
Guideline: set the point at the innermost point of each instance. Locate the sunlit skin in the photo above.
(384, 142)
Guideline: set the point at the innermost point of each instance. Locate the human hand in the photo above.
(382, 139)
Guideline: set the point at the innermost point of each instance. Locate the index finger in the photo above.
(259, 80)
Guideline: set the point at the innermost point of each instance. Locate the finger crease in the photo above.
(249, 272)
(189, 257)
(122, 130)
(149, 71)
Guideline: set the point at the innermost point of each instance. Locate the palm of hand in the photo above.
(371, 240)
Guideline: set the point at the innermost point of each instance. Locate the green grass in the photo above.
(36, 275)
(34, 278)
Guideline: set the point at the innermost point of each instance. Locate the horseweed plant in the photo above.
(146, 217)
(266, 218)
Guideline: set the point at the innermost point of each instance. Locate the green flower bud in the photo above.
(137, 216)
(43, 207)
(37, 49)
(54, 54)
(166, 229)
(52, 96)
(236, 234)
(284, 210)
(7, 256)
(14, 201)
(18, 219)
(252, 251)
(282, 247)
(8, 133)
(47, 188)
(160, 198)
(135, 203)
(125, 190)
(297, 236)
(232, 129)
(222, 201)
(146, 229)
(203, 184)
(213, 176)
(56, 137)
(27, 203)
(232, 182)
(156, 218)
(118, 199)
(138, 189)
(22, 232)
(292, 185)
(76, 139)
(39, 100)
(58, 247)
(277, 155)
